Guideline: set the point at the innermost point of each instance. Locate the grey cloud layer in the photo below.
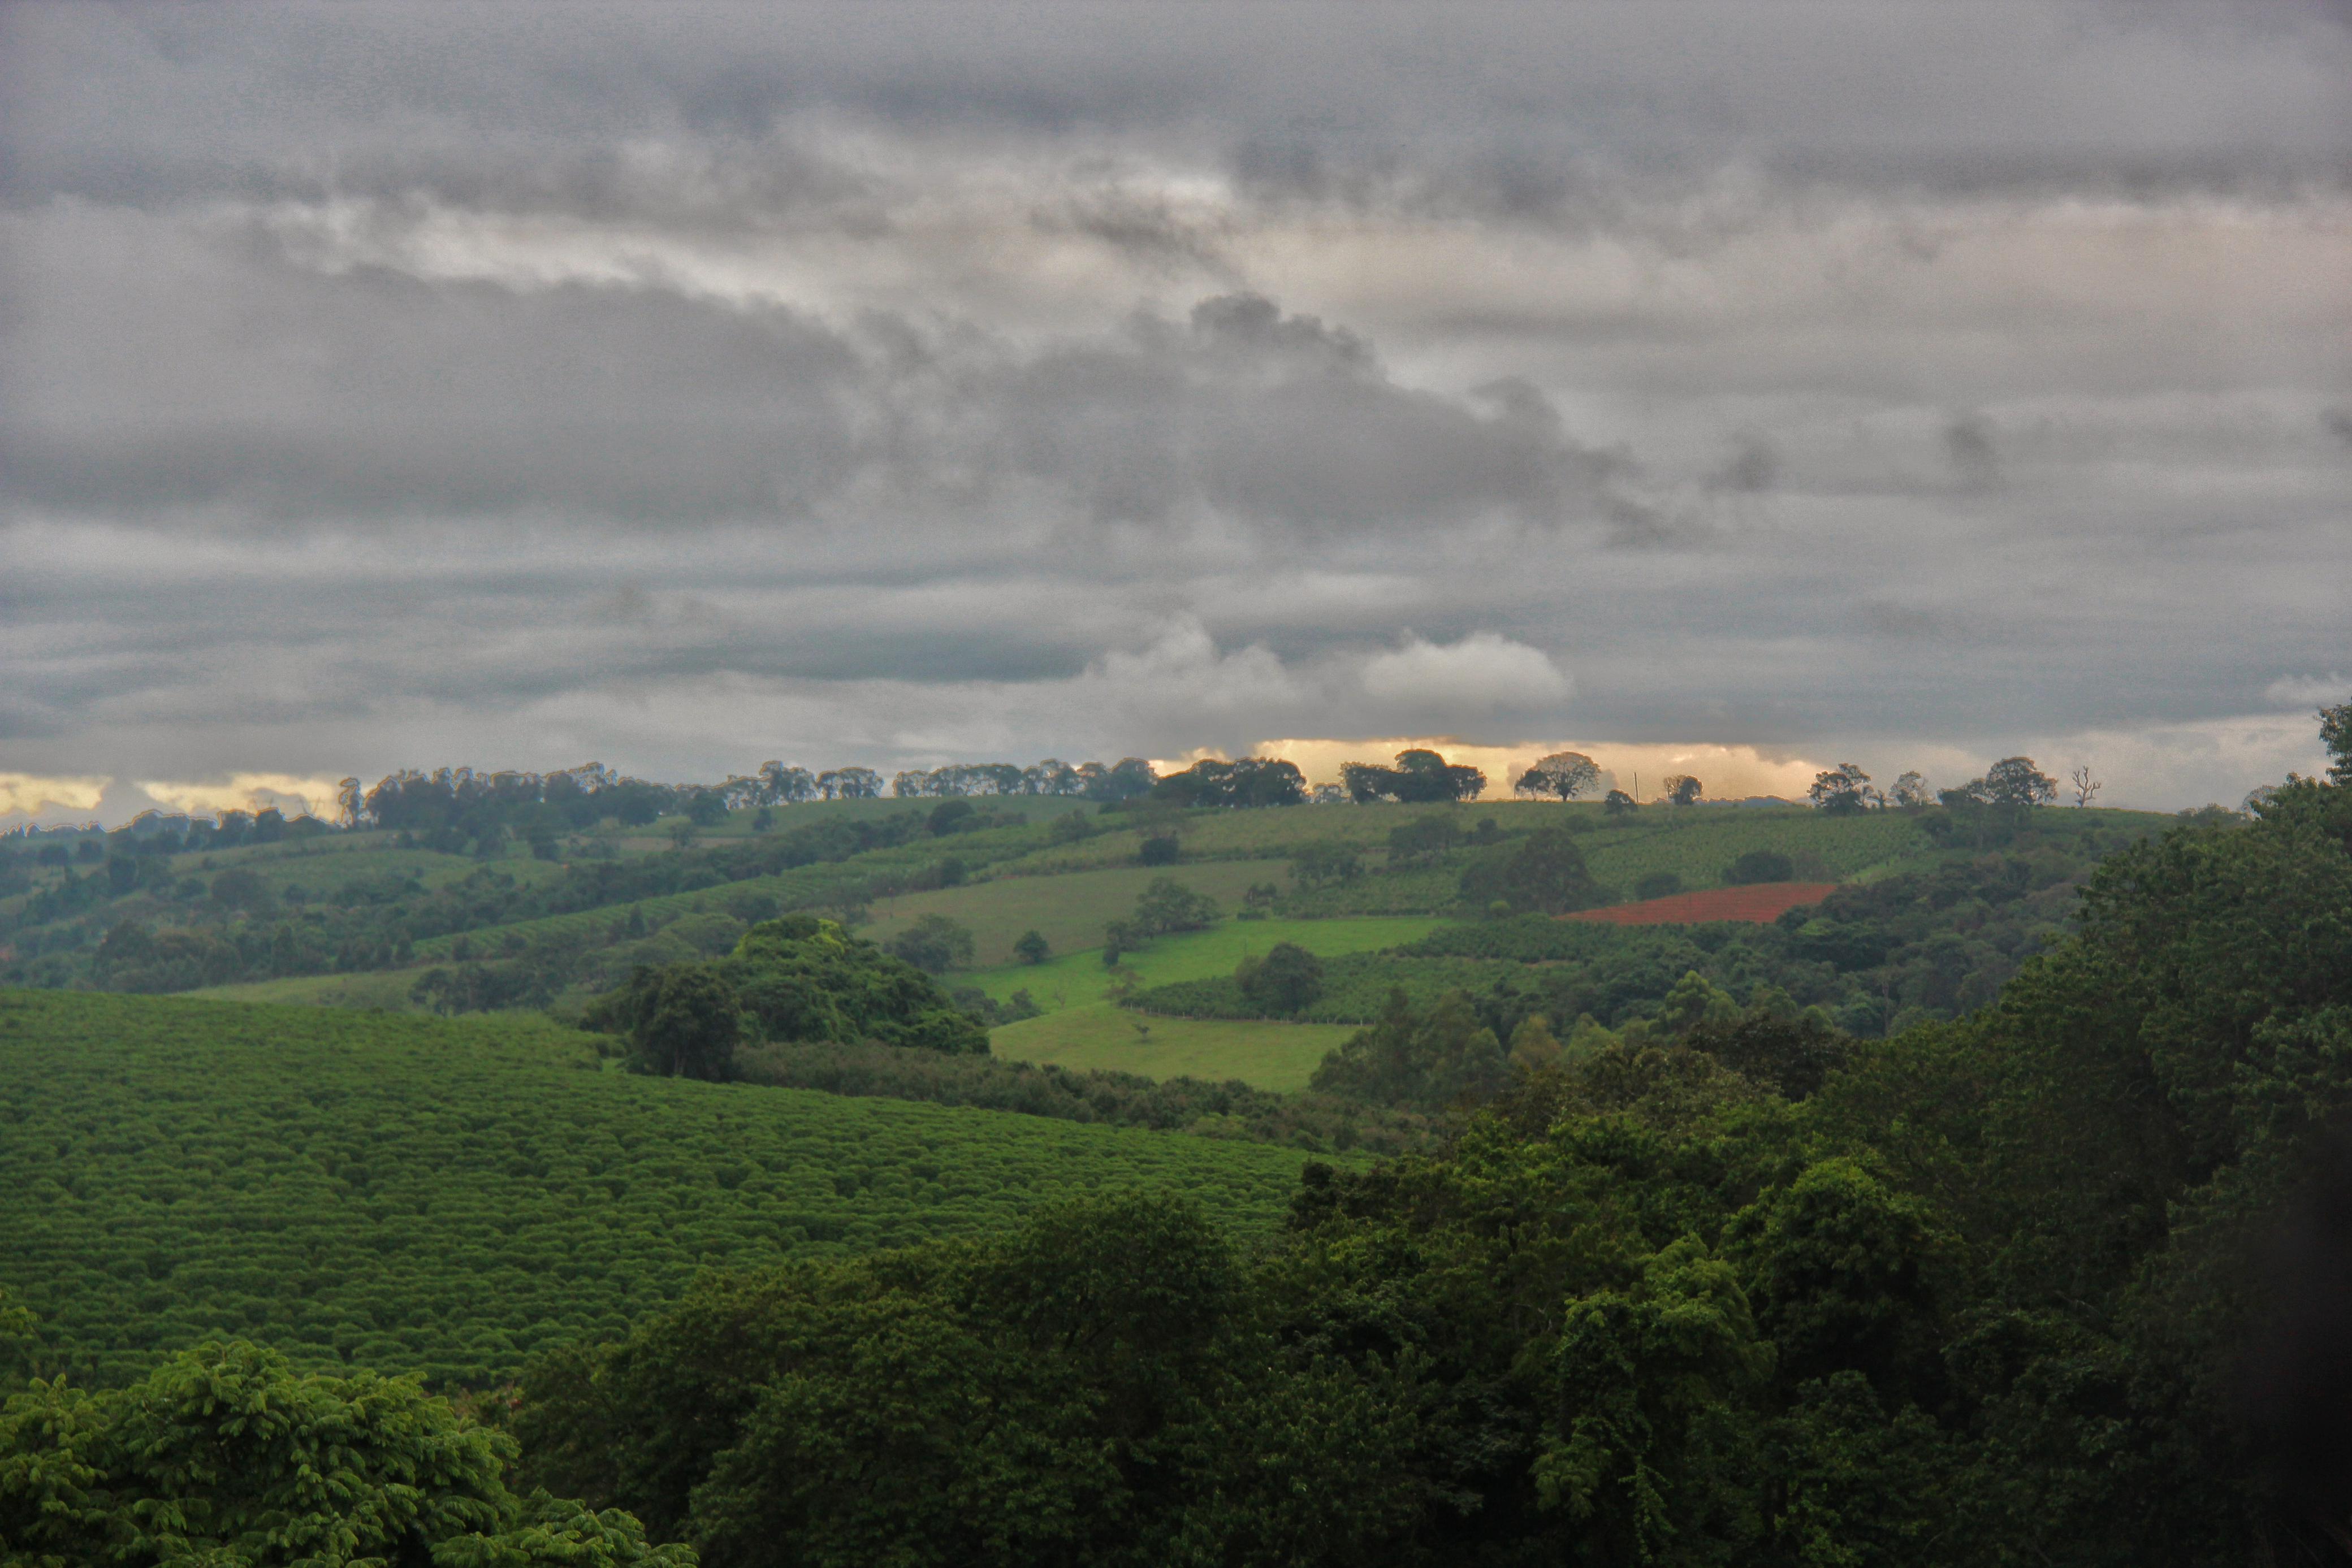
(391, 384)
(221, 374)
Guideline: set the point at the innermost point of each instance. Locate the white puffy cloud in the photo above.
(246, 792)
(23, 794)
(1475, 677)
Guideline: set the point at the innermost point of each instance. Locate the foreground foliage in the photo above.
(226, 1456)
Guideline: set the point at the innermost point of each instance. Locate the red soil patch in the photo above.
(1761, 902)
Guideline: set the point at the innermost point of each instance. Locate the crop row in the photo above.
(412, 1195)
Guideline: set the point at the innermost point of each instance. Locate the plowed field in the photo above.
(1763, 903)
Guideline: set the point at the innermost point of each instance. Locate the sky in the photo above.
(1730, 388)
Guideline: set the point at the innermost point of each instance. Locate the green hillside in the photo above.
(448, 1198)
(524, 921)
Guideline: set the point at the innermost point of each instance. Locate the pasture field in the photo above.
(1356, 987)
(1068, 911)
(1076, 979)
(1101, 1036)
(450, 1198)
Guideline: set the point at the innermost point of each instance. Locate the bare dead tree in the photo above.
(2085, 787)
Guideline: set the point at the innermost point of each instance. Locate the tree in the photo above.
(1841, 790)
(225, 1455)
(2336, 734)
(1421, 776)
(1911, 792)
(1363, 781)
(637, 804)
(1422, 841)
(706, 808)
(1543, 874)
(1250, 782)
(933, 944)
(1759, 866)
(782, 786)
(1030, 947)
(1620, 804)
(1122, 780)
(1428, 1061)
(1566, 774)
(2086, 788)
(1168, 906)
(1534, 1048)
(1288, 979)
(1682, 789)
(1313, 864)
(1160, 849)
(682, 1020)
(849, 784)
(350, 803)
(2014, 783)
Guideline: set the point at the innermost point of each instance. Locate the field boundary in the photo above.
(1758, 903)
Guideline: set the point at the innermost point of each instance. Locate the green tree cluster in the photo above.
(1419, 778)
(1542, 873)
(1164, 907)
(794, 978)
(1286, 979)
(1249, 782)
(224, 1456)
(1103, 1385)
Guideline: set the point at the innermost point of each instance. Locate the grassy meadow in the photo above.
(1102, 1037)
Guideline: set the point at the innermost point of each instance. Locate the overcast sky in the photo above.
(1770, 384)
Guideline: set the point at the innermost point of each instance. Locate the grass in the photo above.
(1078, 979)
(1068, 911)
(1274, 1056)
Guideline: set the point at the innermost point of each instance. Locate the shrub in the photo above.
(1313, 865)
(1759, 866)
(1658, 884)
(1160, 850)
